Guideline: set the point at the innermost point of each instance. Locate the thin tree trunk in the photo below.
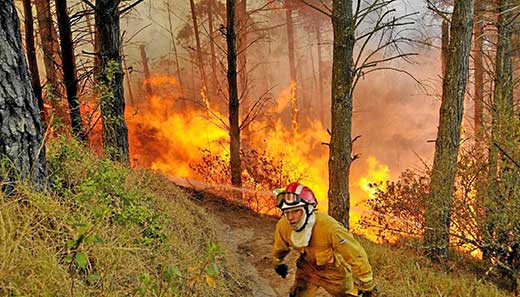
(292, 67)
(127, 77)
(234, 105)
(502, 106)
(21, 129)
(242, 47)
(51, 59)
(478, 64)
(174, 46)
(212, 46)
(146, 70)
(320, 76)
(504, 62)
(341, 110)
(199, 49)
(69, 68)
(115, 132)
(313, 90)
(31, 56)
(438, 211)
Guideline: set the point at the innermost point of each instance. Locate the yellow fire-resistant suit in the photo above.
(333, 259)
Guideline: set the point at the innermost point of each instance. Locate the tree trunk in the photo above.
(445, 42)
(199, 49)
(320, 75)
(292, 67)
(146, 70)
(69, 68)
(174, 46)
(501, 108)
(478, 64)
(31, 56)
(127, 78)
(504, 62)
(242, 47)
(115, 132)
(438, 211)
(21, 139)
(234, 126)
(212, 46)
(341, 110)
(50, 49)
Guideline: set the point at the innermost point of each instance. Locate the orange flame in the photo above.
(169, 139)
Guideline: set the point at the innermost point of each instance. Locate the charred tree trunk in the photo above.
(115, 132)
(21, 139)
(200, 61)
(174, 46)
(31, 56)
(320, 76)
(341, 110)
(438, 211)
(478, 64)
(292, 67)
(146, 70)
(69, 68)
(50, 55)
(234, 105)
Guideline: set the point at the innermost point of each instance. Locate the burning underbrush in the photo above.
(483, 224)
(191, 143)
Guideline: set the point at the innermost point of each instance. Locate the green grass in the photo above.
(103, 229)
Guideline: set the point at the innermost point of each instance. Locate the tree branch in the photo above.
(122, 11)
(89, 4)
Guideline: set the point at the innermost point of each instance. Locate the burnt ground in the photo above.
(250, 235)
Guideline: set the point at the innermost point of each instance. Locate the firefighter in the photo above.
(330, 257)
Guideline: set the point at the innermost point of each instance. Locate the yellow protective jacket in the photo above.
(331, 247)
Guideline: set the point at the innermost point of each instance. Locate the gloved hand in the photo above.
(282, 270)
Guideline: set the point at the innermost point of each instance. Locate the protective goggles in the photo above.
(288, 198)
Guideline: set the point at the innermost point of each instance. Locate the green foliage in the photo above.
(104, 229)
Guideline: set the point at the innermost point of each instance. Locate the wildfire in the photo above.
(168, 139)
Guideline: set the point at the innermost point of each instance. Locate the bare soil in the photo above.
(250, 235)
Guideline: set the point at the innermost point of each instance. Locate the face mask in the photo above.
(302, 238)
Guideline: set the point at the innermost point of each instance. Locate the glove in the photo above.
(282, 270)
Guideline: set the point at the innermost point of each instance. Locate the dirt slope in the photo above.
(251, 236)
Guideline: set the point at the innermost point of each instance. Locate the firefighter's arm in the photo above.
(280, 250)
(280, 246)
(353, 254)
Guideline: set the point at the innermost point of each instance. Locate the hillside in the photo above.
(105, 230)
(399, 271)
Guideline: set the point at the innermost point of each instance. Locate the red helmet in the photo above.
(295, 195)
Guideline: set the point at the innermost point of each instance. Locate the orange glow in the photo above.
(169, 140)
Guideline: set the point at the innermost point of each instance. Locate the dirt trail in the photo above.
(251, 236)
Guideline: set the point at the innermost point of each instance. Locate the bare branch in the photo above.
(89, 4)
(329, 13)
(129, 7)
